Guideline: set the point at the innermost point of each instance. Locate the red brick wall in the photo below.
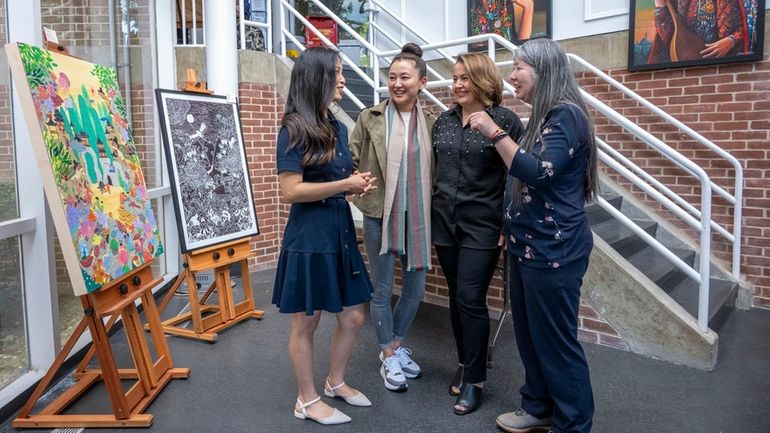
(727, 104)
(78, 23)
(261, 109)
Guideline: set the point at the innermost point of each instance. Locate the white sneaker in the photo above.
(392, 375)
(408, 366)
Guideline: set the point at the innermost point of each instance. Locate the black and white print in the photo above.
(207, 167)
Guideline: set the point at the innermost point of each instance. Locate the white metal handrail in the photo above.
(646, 181)
(242, 24)
(657, 246)
(735, 199)
(682, 161)
(381, 7)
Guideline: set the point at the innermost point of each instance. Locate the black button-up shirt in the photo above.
(467, 204)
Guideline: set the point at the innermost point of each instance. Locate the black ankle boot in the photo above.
(457, 381)
(469, 399)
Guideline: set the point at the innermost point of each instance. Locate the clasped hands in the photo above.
(361, 183)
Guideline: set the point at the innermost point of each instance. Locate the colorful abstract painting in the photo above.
(207, 167)
(89, 165)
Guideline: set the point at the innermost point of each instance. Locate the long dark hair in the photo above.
(555, 84)
(311, 92)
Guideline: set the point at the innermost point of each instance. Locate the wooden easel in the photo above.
(151, 376)
(208, 319)
(193, 85)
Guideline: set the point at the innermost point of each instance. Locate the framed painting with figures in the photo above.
(674, 33)
(514, 20)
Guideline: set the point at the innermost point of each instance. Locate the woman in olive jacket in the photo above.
(392, 141)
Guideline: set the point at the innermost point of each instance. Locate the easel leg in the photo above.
(140, 351)
(225, 292)
(182, 278)
(195, 306)
(43, 385)
(248, 290)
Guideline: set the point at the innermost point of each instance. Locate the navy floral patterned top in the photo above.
(549, 228)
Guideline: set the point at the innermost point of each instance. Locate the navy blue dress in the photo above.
(320, 267)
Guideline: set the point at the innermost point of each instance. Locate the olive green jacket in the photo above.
(367, 144)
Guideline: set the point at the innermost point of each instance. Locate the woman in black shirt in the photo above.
(549, 240)
(467, 215)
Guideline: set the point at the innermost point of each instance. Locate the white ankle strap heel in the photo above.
(336, 417)
(358, 399)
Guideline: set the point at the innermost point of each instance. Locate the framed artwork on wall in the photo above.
(88, 163)
(674, 33)
(208, 171)
(515, 20)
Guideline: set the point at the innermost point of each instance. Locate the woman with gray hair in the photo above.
(549, 241)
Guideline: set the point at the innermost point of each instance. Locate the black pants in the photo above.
(545, 306)
(468, 273)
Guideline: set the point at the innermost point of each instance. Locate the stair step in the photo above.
(722, 295)
(621, 238)
(597, 215)
(360, 88)
(660, 270)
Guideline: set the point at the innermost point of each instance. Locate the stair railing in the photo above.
(735, 199)
(196, 5)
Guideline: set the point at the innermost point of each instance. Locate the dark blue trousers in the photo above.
(545, 306)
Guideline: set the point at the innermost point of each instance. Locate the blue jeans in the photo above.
(390, 324)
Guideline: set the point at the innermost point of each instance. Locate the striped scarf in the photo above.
(407, 188)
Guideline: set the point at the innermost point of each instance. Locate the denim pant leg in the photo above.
(412, 292)
(381, 271)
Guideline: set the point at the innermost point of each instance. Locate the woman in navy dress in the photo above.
(553, 166)
(320, 267)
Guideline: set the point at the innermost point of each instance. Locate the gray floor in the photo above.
(244, 383)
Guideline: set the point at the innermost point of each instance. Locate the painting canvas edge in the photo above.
(24, 94)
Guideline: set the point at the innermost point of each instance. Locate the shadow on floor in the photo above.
(244, 383)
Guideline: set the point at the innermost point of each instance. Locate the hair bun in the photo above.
(412, 48)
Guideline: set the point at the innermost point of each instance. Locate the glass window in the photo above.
(14, 359)
(13, 338)
(9, 208)
(120, 38)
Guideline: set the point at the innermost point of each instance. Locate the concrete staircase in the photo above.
(650, 302)
(360, 88)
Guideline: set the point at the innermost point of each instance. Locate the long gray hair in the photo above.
(555, 84)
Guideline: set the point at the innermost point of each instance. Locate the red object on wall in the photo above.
(326, 26)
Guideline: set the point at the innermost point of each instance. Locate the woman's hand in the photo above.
(480, 121)
(719, 48)
(360, 183)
